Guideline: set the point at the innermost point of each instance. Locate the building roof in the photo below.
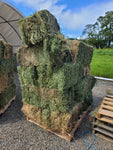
(9, 28)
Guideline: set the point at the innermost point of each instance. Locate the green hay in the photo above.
(81, 53)
(37, 27)
(27, 75)
(83, 90)
(10, 78)
(32, 56)
(70, 88)
(65, 77)
(54, 73)
(7, 65)
(7, 95)
(49, 53)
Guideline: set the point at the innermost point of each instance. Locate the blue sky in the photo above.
(72, 15)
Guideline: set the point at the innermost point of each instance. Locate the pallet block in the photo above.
(2, 110)
(69, 136)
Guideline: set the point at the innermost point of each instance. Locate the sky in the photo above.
(72, 15)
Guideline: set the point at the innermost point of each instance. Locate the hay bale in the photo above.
(32, 56)
(3, 83)
(83, 90)
(37, 27)
(27, 75)
(7, 65)
(54, 74)
(10, 78)
(2, 47)
(54, 120)
(8, 51)
(7, 95)
(80, 52)
(49, 53)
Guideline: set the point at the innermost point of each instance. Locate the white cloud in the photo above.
(86, 15)
(69, 19)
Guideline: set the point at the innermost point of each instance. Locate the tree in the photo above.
(107, 27)
(100, 34)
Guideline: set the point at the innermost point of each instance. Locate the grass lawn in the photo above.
(102, 63)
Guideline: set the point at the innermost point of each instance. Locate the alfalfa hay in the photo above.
(7, 66)
(38, 27)
(54, 73)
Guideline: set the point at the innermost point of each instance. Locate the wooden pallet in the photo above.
(103, 125)
(105, 112)
(104, 131)
(2, 110)
(70, 136)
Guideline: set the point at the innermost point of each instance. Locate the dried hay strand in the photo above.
(54, 120)
(37, 27)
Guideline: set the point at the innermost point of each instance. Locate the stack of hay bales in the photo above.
(7, 66)
(54, 74)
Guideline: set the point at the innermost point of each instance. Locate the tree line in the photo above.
(100, 34)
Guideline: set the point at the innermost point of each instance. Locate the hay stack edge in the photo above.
(54, 73)
(7, 67)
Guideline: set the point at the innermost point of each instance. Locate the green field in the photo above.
(102, 63)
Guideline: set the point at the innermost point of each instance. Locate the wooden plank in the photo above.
(104, 137)
(104, 132)
(107, 107)
(106, 127)
(108, 99)
(105, 112)
(111, 96)
(2, 110)
(107, 103)
(106, 119)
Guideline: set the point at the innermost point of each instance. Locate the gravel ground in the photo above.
(16, 133)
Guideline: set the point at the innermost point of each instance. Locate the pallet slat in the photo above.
(106, 127)
(108, 103)
(104, 137)
(108, 99)
(106, 119)
(107, 107)
(110, 96)
(103, 132)
(105, 112)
